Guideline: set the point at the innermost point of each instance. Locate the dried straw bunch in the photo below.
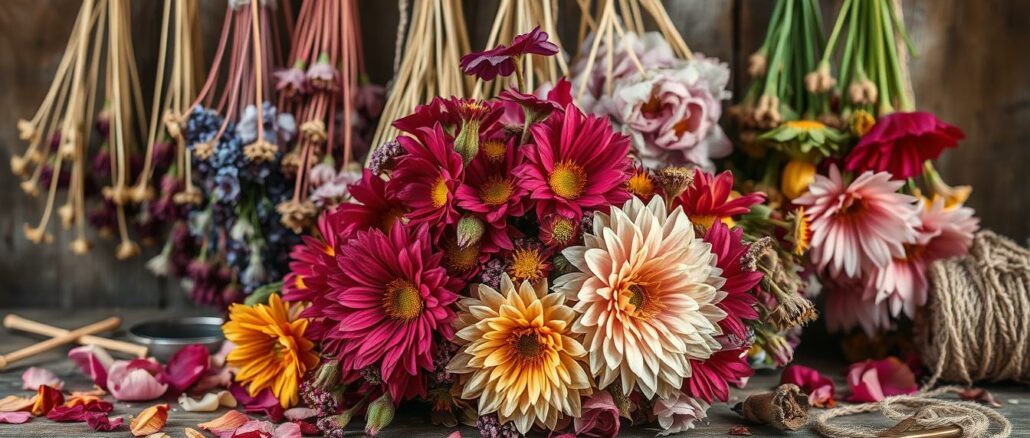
(99, 53)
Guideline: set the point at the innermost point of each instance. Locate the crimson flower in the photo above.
(707, 199)
(501, 60)
(899, 143)
(426, 178)
(375, 208)
(818, 387)
(519, 106)
(729, 247)
(312, 262)
(710, 378)
(489, 188)
(575, 163)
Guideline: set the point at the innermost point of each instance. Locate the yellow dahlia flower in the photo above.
(644, 296)
(517, 356)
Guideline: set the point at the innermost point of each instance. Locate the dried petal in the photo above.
(185, 368)
(150, 421)
(93, 361)
(13, 403)
(192, 433)
(46, 399)
(34, 376)
(210, 402)
(225, 425)
(264, 403)
(80, 412)
(299, 413)
(135, 380)
(14, 417)
(740, 431)
(981, 396)
(101, 423)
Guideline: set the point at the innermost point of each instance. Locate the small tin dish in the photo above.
(164, 337)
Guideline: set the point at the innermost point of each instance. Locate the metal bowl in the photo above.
(165, 337)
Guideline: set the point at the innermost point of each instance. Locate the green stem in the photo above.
(776, 60)
(905, 101)
(831, 44)
(882, 85)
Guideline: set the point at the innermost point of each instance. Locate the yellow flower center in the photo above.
(526, 264)
(391, 217)
(805, 125)
(458, 259)
(862, 122)
(563, 231)
(528, 346)
(801, 233)
(567, 180)
(402, 300)
(496, 190)
(641, 184)
(639, 301)
(494, 150)
(439, 193)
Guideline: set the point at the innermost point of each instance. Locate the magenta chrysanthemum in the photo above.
(311, 264)
(575, 163)
(489, 188)
(427, 177)
(899, 143)
(711, 378)
(737, 282)
(391, 302)
(858, 225)
(371, 207)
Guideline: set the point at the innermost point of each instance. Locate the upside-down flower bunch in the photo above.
(505, 261)
(848, 162)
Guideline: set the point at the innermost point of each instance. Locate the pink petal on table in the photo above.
(101, 423)
(264, 403)
(287, 430)
(34, 376)
(874, 380)
(455, 434)
(226, 425)
(218, 359)
(14, 417)
(818, 387)
(295, 414)
(93, 361)
(185, 368)
(213, 378)
(131, 381)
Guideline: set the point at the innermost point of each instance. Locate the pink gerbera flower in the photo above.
(575, 163)
(899, 143)
(711, 378)
(858, 225)
(391, 301)
(371, 207)
(426, 178)
(737, 282)
(311, 264)
(500, 60)
(708, 198)
(849, 305)
(489, 188)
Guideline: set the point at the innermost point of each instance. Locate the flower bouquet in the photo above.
(505, 261)
(849, 161)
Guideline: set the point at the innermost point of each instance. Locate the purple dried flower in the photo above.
(490, 427)
(491, 273)
(384, 157)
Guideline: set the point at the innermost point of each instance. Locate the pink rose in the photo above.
(600, 418)
(679, 413)
(874, 380)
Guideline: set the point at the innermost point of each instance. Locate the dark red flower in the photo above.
(900, 143)
(739, 304)
(711, 378)
(184, 368)
(707, 199)
(101, 423)
(518, 105)
(376, 208)
(80, 412)
(501, 60)
(427, 177)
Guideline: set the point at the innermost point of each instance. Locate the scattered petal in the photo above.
(299, 413)
(13, 403)
(101, 423)
(818, 387)
(34, 376)
(214, 378)
(93, 361)
(80, 412)
(135, 380)
(82, 398)
(981, 396)
(455, 434)
(46, 399)
(185, 368)
(192, 433)
(308, 429)
(14, 417)
(159, 435)
(874, 380)
(264, 403)
(210, 402)
(287, 430)
(150, 421)
(740, 431)
(225, 425)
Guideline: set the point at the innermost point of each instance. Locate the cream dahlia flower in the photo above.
(517, 355)
(644, 296)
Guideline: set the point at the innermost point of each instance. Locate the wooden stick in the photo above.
(49, 344)
(16, 322)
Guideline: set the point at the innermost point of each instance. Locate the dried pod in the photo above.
(786, 408)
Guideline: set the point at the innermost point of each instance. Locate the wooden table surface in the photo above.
(411, 422)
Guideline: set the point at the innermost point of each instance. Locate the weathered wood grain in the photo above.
(412, 421)
(972, 72)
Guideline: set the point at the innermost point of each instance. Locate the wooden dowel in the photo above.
(16, 322)
(49, 344)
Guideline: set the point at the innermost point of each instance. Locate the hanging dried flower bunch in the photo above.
(327, 90)
(67, 152)
(428, 65)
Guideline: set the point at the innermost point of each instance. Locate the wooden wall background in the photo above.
(973, 72)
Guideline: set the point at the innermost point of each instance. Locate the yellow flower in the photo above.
(796, 177)
(861, 122)
(517, 356)
(271, 350)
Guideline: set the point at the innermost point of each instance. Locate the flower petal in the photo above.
(150, 421)
(34, 376)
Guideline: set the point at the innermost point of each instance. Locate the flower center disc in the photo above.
(439, 193)
(494, 150)
(638, 301)
(458, 259)
(562, 231)
(402, 300)
(640, 184)
(529, 346)
(568, 180)
(526, 264)
(495, 191)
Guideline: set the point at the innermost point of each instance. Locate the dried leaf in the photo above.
(226, 424)
(46, 399)
(150, 421)
(34, 376)
(740, 431)
(193, 433)
(13, 403)
(14, 417)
